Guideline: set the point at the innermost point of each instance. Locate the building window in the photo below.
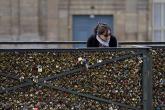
(159, 20)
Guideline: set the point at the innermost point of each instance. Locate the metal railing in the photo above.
(81, 42)
(141, 54)
(67, 44)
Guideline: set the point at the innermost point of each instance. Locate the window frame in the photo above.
(162, 28)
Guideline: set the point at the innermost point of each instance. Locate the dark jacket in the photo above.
(93, 42)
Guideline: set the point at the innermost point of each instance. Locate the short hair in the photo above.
(102, 28)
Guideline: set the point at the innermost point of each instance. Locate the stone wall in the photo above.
(51, 20)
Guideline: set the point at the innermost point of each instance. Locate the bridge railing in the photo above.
(157, 50)
(95, 78)
(67, 44)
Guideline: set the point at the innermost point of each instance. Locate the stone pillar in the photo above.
(150, 23)
(15, 19)
(42, 18)
(5, 19)
(28, 14)
(131, 20)
(120, 26)
(142, 26)
(52, 23)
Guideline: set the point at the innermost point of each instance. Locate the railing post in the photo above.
(147, 80)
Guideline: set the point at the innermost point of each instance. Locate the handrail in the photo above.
(81, 42)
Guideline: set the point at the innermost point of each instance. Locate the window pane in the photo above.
(157, 36)
(164, 37)
(164, 14)
(157, 15)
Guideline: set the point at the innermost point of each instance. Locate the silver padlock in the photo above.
(39, 67)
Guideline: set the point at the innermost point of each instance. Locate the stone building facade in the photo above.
(51, 20)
